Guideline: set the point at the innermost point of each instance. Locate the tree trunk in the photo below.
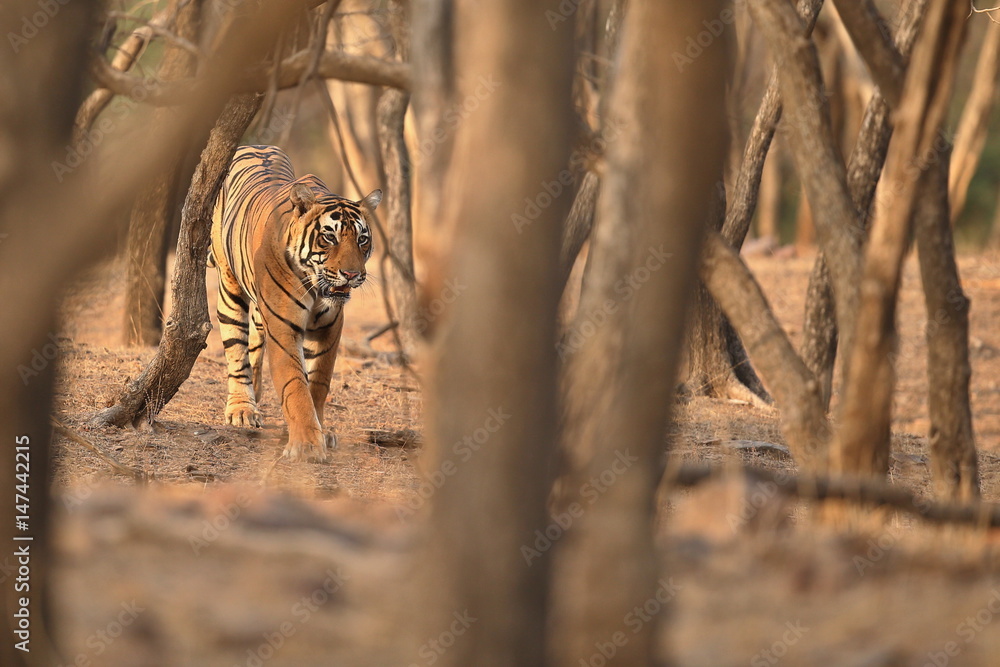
(811, 141)
(146, 257)
(717, 363)
(862, 446)
(432, 40)
(743, 201)
(819, 333)
(156, 204)
(495, 380)
(390, 115)
(952, 443)
(189, 325)
(803, 416)
(399, 228)
(42, 84)
(621, 381)
(970, 138)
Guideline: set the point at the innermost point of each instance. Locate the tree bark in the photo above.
(146, 256)
(865, 26)
(954, 462)
(717, 362)
(399, 228)
(742, 203)
(862, 444)
(621, 381)
(810, 138)
(499, 381)
(189, 325)
(796, 391)
(820, 333)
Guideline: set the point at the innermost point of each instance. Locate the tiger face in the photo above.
(336, 243)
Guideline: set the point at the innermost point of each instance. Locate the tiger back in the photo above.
(288, 253)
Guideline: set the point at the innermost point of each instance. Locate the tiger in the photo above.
(288, 253)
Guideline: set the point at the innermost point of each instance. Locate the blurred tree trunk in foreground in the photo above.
(42, 85)
(495, 362)
(655, 198)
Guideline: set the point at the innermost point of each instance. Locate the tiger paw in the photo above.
(243, 415)
(306, 450)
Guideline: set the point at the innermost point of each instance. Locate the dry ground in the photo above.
(235, 558)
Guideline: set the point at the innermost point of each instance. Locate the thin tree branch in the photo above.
(135, 473)
(160, 29)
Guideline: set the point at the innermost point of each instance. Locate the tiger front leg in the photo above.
(306, 441)
(234, 320)
(320, 352)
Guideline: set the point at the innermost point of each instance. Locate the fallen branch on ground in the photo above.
(138, 475)
(872, 493)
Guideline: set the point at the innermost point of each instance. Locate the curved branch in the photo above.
(332, 65)
(125, 57)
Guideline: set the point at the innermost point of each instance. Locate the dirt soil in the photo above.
(234, 557)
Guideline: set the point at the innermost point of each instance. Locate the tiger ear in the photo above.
(302, 197)
(373, 199)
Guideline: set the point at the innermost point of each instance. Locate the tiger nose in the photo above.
(351, 275)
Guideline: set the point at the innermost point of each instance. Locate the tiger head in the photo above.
(335, 240)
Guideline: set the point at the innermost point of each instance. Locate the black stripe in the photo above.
(283, 348)
(225, 319)
(235, 298)
(325, 326)
(285, 386)
(255, 347)
(291, 325)
(312, 355)
(276, 282)
(338, 318)
(229, 342)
